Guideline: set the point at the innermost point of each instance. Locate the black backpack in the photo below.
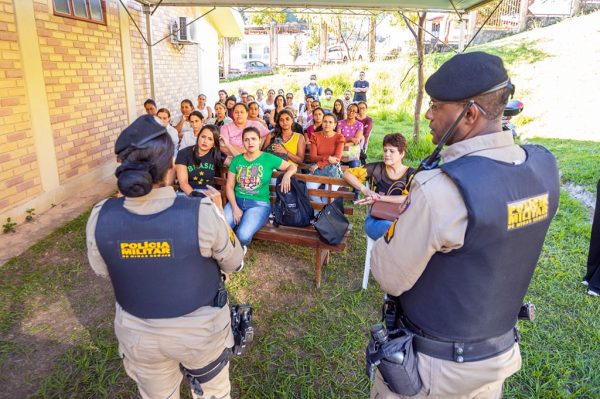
(292, 208)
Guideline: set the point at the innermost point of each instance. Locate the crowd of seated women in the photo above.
(250, 137)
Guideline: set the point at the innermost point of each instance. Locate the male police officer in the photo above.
(460, 258)
(165, 269)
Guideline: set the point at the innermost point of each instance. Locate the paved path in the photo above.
(27, 234)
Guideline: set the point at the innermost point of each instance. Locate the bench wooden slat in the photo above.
(304, 236)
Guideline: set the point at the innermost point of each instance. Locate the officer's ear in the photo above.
(472, 114)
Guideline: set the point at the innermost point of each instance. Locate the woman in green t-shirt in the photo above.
(249, 205)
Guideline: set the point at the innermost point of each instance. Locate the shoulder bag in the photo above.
(388, 210)
(331, 222)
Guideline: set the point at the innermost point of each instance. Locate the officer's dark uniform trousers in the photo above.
(593, 263)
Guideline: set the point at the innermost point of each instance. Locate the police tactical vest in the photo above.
(475, 292)
(154, 261)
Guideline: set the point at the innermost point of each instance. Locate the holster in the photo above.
(206, 373)
(401, 378)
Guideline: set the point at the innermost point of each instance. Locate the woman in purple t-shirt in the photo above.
(352, 130)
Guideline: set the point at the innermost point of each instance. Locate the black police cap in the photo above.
(141, 131)
(467, 75)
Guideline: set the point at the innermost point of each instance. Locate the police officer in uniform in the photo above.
(461, 256)
(164, 255)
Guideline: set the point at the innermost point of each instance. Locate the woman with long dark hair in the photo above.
(164, 255)
(283, 141)
(338, 110)
(352, 130)
(279, 105)
(316, 126)
(197, 166)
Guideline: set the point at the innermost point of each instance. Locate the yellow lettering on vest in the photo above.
(527, 211)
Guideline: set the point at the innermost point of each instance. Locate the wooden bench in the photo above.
(307, 236)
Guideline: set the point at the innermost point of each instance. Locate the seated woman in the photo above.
(279, 105)
(230, 103)
(197, 166)
(381, 176)
(352, 130)
(165, 117)
(248, 195)
(367, 122)
(232, 132)
(326, 151)
(204, 109)
(190, 137)
(317, 119)
(254, 113)
(338, 110)
(284, 142)
(220, 118)
(182, 125)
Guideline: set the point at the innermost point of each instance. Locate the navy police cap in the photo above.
(467, 75)
(141, 131)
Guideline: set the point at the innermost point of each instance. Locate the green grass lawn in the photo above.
(309, 343)
(577, 160)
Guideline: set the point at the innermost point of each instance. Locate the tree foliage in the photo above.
(268, 16)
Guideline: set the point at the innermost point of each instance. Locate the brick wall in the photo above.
(175, 69)
(19, 177)
(83, 72)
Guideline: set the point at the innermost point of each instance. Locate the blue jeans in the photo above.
(376, 228)
(256, 214)
(355, 163)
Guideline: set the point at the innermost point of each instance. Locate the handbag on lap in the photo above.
(388, 210)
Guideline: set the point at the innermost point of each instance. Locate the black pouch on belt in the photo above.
(398, 366)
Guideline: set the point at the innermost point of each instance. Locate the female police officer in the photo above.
(165, 268)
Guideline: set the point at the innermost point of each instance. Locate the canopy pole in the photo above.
(461, 38)
(148, 13)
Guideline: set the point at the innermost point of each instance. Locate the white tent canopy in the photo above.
(380, 5)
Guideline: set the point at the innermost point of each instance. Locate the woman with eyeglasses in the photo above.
(352, 130)
(367, 122)
(381, 176)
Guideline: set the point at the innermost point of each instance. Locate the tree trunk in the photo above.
(372, 27)
(323, 43)
(226, 57)
(420, 77)
(523, 10)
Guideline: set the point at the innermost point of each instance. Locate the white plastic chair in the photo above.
(365, 282)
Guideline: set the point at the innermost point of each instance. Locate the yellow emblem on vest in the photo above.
(231, 237)
(527, 211)
(389, 234)
(146, 249)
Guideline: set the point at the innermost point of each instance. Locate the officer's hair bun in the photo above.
(135, 179)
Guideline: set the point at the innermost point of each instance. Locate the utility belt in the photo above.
(395, 343)
(461, 352)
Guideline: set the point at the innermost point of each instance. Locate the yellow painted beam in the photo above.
(37, 100)
(127, 60)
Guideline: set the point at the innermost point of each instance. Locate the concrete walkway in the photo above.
(28, 233)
